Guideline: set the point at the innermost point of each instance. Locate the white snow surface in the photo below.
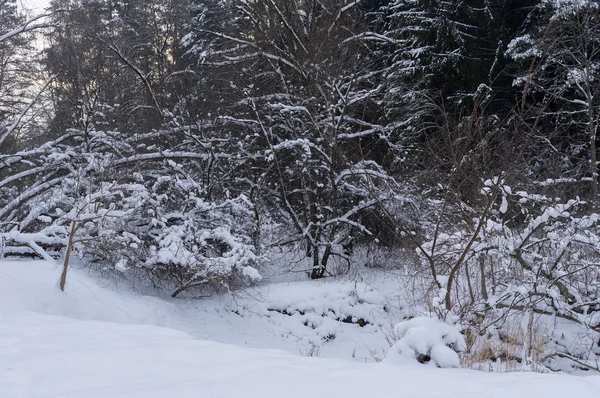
(48, 356)
(98, 341)
(247, 318)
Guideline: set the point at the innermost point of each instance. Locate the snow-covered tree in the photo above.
(448, 91)
(560, 57)
(20, 76)
(304, 117)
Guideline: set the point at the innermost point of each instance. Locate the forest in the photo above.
(188, 145)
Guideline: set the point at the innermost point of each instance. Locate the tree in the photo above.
(562, 54)
(448, 87)
(19, 103)
(303, 112)
(19, 90)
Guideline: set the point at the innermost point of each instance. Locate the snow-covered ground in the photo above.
(286, 316)
(95, 341)
(48, 356)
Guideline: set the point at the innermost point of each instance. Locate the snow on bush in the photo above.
(426, 340)
(164, 226)
(314, 313)
(347, 302)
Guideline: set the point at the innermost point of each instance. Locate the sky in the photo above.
(36, 4)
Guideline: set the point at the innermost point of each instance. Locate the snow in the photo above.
(99, 339)
(246, 318)
(565, 8)
(339, 301)
(251, 273)
(330, 317)
(427, 337)
(522, 47)
(37, 5)
(47, 356)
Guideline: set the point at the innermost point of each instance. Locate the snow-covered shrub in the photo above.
(348, 302)
(427, 340)
(182, 240)
(198, 255)
(315, 313)
(526, 255)
(131, 204)
(533, 260)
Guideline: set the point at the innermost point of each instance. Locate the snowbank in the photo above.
(30, 285)
(249, 319)
(319, 313)
(344, 302)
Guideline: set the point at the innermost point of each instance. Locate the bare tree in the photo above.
(305, 108)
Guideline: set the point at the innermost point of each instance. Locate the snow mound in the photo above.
(427, 340)
(32, 286)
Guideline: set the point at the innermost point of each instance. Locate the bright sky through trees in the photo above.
(36, 4)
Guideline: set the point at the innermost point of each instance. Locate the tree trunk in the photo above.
(256, 238)
(469, 285)
(318, 270)
(484, 292)
(63, 276)
(593, 157)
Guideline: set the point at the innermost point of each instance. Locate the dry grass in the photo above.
(312, 351)
(519, 345)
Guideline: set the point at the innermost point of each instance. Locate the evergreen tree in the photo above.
(448, 87)
(559, 56)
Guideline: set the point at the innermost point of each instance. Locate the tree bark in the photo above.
(63, 276)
